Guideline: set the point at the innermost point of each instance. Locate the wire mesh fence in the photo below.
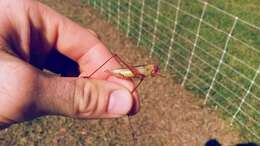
(213, 53)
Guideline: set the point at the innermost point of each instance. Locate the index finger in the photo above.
(77, 43)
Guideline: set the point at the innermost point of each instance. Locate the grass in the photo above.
(240, 62)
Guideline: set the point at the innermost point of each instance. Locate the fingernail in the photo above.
(120, 102)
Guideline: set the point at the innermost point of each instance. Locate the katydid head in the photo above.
(155, 70)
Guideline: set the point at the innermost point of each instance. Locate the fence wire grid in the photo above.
(209, 51)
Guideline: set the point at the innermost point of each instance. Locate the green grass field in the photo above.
(223, 67)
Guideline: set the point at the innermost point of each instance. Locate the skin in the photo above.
(30, 32)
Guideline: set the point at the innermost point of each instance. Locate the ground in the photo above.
(170, 115)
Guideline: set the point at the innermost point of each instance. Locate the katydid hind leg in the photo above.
(101, 66)
(141, 80)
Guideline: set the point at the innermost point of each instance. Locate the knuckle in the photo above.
(89, 98)
(85, 98)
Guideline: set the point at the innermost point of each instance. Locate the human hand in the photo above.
(30, 33)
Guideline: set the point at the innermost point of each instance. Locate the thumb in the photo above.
(82, 98)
